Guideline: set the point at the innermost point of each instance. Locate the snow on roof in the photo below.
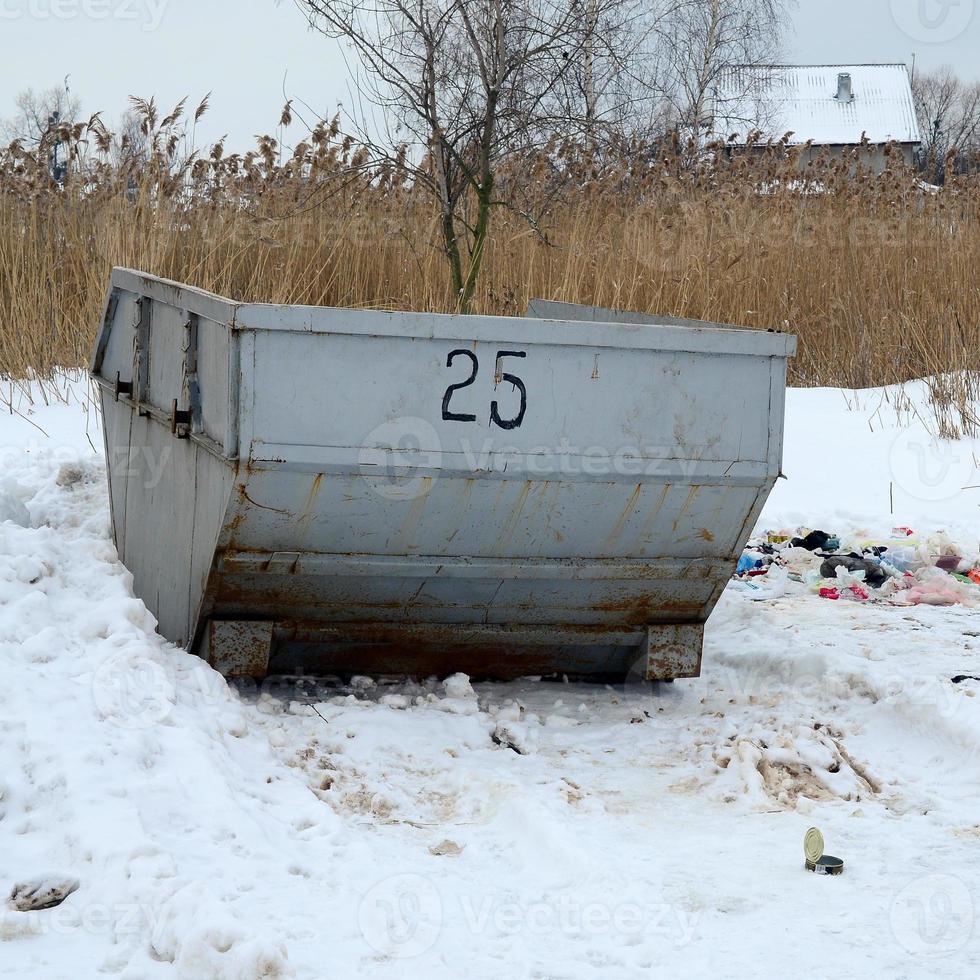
(804, 99)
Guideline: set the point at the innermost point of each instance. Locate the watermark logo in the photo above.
(928, 468)
(933, 916)
(401, 458)
(147, 13)
(933, 21)
(401, 916)
(133, 691)
(139, 465)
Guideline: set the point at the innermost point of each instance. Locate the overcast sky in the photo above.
(241, 49)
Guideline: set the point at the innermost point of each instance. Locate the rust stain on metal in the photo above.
(647, 528)
(243, 496)
(675, 651)
(625, 515)
(308, 509)
(515, 513)
(686, 506)
(543, 488)
(500, 492)
(646, 609)
(239, 648)
(553, 512)
(311, 498)
(705, 535)
(406, 533)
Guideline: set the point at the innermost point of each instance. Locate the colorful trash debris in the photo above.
(900, 571)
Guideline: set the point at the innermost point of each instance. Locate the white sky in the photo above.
(241, 49)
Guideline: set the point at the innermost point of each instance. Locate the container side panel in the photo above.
(166, 357)
(473, 399)
(450, 599)
(214, 478)
(119, 354)
(777, 412)
(123, 462)
(159, 525)
(460, 517)
(212, 368)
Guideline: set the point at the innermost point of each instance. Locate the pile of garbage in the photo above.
(901, 570)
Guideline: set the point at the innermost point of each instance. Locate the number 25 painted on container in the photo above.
(495, 418)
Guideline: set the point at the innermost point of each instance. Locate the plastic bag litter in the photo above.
(772, 586)
(847, 577)
(930, 587)
(862, 569)
(902, 571)
(933, 594)
(799, 560)
(853, 590)
(903, 558)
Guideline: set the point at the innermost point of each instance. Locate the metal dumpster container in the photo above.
(356, 491)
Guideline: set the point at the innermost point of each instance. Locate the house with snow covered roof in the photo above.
(831, 107)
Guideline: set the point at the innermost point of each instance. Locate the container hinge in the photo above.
(192, 385)
(179, 420)
(123, 387)
(141, 387)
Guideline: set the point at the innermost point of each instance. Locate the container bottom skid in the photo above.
(259, 648)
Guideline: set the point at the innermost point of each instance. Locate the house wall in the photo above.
(873, 156)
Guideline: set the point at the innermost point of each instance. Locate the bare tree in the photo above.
(703, 45)
(35, 112)
(460, 88)
(949, 117)
(617, 81)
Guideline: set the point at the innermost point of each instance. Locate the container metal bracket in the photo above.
(122, 387)
(239, 648)
(674, 650)
(179, 420)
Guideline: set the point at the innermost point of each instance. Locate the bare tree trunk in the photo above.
(468, 86)
(591, 24)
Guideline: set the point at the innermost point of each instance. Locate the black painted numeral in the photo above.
(454, 416)
(515, 422)
(495, 419)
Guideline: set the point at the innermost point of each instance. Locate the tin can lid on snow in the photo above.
(813, 845)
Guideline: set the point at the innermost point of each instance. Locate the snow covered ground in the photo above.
(534, 830)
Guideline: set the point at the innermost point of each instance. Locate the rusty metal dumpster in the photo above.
(355, 491)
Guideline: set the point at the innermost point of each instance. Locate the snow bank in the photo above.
(526, 829)
(867, 461)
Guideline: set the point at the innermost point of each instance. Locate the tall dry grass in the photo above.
(877, 275)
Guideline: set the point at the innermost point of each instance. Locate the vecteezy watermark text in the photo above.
(402, 459)
(147, 13)
(402, 916)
